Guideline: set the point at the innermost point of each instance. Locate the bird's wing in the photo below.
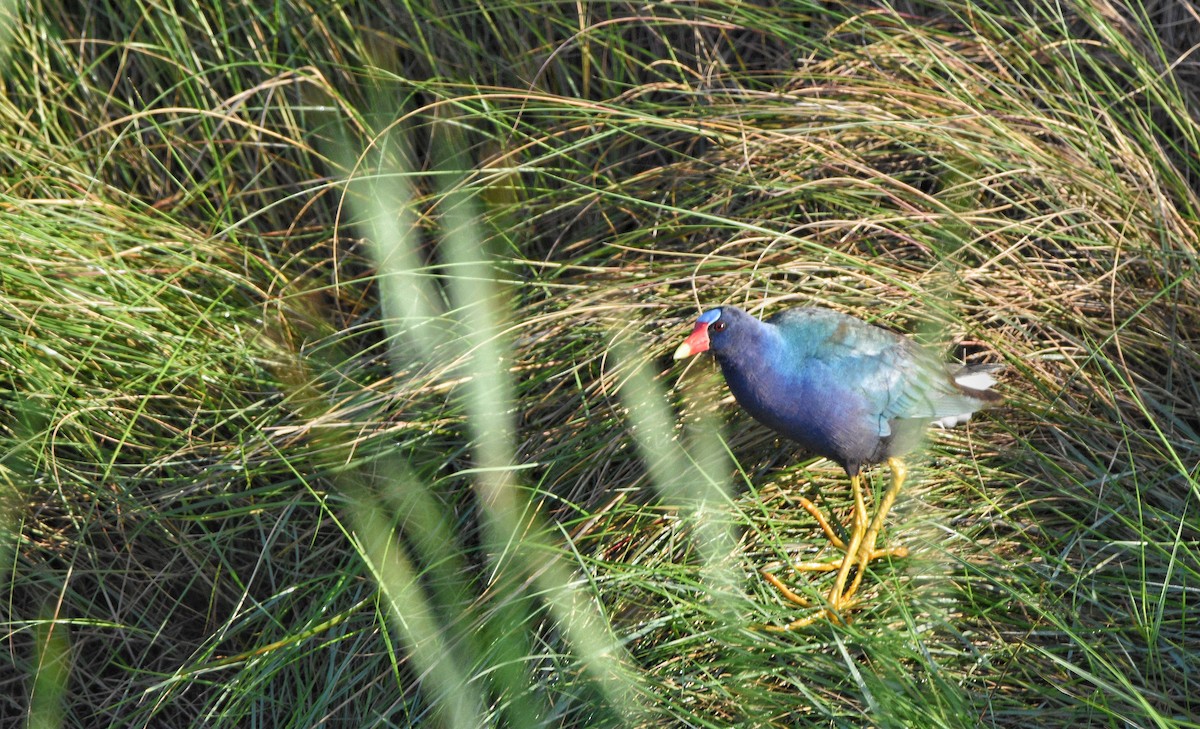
(897, 378)
(920, 386)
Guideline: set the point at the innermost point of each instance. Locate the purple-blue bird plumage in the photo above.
(840, 387)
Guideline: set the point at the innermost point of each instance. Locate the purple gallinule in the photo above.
(846, 390)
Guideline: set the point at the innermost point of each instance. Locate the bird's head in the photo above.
(706, 334)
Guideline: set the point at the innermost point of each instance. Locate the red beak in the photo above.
(696, 342)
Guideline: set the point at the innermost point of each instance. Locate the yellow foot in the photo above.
(832, 611)
(853, 552)
(860, 552)
(871, 556)
(838, 600)
(785, 590)
(812, 509)
(865, 555)
(835, 540)
(788, 593)
(874, 554)
(829, 614)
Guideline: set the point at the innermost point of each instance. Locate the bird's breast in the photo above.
(799, 405)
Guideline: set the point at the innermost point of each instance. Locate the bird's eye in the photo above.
(717, 327)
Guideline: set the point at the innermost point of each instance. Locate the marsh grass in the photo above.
(336, 350)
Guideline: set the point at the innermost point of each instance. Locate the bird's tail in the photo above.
(977, 381)
(975, 387)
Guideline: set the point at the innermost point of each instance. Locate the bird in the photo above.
(847, 390)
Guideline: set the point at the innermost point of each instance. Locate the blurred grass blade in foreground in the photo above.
(691, 478)
(523, 567)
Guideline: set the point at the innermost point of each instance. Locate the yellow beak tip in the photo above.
(683, 352)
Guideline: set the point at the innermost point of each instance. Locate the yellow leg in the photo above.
(858, 553)
(836, 601)
(867, 550)
(856, 541)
